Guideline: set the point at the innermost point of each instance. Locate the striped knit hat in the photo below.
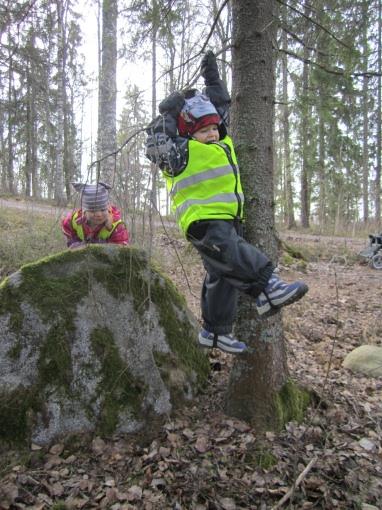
(94, 197)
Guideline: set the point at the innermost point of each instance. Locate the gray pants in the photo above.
(232, 264)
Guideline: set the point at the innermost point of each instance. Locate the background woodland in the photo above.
(327, 128)
(325, 172)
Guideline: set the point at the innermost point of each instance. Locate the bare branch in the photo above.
(299, 40)
(200, 52)
(338, 72)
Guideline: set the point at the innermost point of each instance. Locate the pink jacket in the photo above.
(120, 235)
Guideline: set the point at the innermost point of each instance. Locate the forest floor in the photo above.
(204, 459)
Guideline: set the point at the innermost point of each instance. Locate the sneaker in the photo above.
(278, 294)
(226, 343)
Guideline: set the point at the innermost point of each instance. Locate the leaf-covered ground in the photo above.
(206, 460)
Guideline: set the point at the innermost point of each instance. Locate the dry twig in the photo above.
(300, 478)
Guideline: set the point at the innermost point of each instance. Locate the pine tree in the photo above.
(258, 376)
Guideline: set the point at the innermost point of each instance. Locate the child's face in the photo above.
(96, 217)
(207, 134)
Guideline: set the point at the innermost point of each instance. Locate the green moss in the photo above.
(293, 256)
(15, 351)
(290, 403)
(10, 306)
(60, 293)
(293, 252)
(59, 506)
(16, 410)
(118, 387)
(55, 363)
(286, 259)
(129, 276)
(265, 458)
(181, 337)
(259, 456)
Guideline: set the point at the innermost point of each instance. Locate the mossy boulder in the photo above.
(93, 340)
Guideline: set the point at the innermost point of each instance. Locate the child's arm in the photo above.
(163, 145)
(215, 88)
(70, 234)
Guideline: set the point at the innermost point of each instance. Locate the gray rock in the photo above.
(366, 360)
(94, 340)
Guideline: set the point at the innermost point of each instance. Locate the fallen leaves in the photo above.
(204, 460)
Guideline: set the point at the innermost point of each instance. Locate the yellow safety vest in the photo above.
(103, 234)
(209, 187)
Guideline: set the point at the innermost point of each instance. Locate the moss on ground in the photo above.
(291, 403)
(293, 256)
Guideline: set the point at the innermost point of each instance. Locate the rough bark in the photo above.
(379, 122)
(365, 134)
(258, 376)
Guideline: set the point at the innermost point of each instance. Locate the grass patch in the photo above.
(27, 236)
(300, 253)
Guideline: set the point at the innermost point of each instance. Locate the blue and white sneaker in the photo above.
(227, 343)
(278, 294)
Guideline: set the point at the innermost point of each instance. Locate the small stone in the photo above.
(367, 445)
(56, 449)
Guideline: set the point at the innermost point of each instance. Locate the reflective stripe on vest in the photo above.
(103, 234)
(209, 187)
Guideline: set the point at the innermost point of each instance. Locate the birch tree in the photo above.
(108, 90)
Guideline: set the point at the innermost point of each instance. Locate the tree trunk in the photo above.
(365, 114)
(322, 94)
(291, 222)
(11, 109)
(379, 122)
(321, 163)
(108, 91)
(257, 377)
(365, 151)
(31, 177)
(61, 52)
(305, 114)
(153, 194)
